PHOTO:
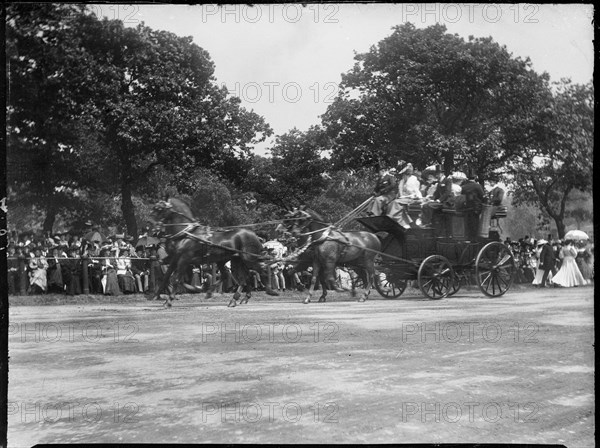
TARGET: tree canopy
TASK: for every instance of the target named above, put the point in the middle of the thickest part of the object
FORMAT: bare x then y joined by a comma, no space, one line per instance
547,173
427,96
94,104
103,117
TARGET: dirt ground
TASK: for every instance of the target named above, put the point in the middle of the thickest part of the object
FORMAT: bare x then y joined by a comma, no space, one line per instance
467,369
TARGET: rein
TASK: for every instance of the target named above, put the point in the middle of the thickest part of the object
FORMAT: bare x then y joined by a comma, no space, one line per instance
241,226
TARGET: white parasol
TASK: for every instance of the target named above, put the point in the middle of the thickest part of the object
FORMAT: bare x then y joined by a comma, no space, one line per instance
576,235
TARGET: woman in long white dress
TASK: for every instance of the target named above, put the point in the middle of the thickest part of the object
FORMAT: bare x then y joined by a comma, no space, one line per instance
569,274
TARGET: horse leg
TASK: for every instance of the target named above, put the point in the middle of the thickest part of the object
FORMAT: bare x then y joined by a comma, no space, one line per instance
242,276
248,294
313,282
165,281
181,261
370,277
330,275
261,268
323,297
212,288
236,296
358,274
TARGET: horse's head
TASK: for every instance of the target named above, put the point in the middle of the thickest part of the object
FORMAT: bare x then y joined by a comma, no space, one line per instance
301,220
170,212
160,211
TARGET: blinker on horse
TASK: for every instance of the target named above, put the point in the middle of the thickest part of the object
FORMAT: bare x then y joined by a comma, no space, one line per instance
189,242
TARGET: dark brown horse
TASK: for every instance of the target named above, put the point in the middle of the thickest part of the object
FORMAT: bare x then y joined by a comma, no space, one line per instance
328,247
189,242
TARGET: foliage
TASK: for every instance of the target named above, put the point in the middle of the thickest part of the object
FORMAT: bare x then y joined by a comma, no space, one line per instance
92,99
345,191
295,173
521,220
426,96
579,208
547,174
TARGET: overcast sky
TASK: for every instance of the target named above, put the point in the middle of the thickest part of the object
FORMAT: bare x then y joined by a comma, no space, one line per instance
285,61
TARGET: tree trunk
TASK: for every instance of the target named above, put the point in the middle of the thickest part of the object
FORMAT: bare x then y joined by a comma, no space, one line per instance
449,162
128,209
560,227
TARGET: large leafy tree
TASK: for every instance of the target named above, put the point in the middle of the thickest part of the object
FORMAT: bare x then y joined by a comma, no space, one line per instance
426,96
547,174
131,99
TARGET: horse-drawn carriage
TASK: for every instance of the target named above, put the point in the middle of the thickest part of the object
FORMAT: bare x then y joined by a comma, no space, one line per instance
388,254
441,258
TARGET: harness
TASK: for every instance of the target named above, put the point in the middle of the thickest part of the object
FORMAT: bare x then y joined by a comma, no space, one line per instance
186,233
326,235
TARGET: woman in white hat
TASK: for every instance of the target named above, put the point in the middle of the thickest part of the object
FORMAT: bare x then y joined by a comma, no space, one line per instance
409,186
409,190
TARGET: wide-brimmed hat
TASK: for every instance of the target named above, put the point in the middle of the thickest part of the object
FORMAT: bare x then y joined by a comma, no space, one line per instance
458,175
437,168
405,168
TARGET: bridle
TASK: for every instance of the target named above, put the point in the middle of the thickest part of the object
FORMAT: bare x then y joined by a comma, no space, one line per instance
167,208
308,220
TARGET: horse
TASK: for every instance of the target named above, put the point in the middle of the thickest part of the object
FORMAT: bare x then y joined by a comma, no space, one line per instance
188,241
327,247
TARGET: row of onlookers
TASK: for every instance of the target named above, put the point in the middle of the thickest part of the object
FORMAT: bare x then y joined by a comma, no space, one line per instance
115,267
533,257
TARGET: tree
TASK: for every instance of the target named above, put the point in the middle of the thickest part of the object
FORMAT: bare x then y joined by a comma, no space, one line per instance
133,99
42,117
294,174
426,96
547,174
580,208
344,191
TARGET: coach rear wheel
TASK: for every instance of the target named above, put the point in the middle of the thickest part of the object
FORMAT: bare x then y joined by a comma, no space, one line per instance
436,277
494,269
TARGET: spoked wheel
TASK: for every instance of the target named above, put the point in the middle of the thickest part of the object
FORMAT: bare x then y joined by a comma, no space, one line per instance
494,269
358,282
436,277
456,284
387,288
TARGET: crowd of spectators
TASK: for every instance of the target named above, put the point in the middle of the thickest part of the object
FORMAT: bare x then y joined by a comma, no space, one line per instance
527,252
119,265
54,263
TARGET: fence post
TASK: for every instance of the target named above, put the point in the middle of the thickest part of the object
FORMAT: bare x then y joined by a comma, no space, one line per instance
270,276
22,275
85,274
153,266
